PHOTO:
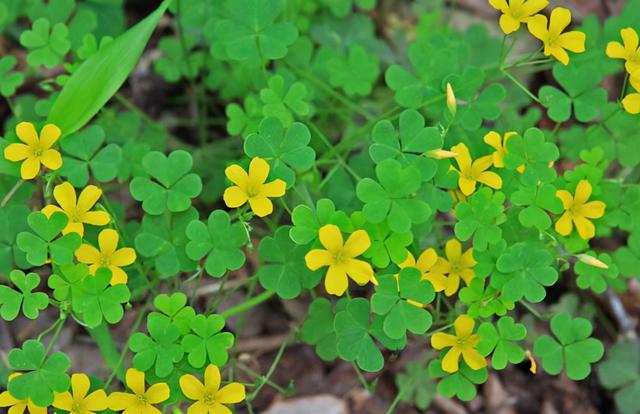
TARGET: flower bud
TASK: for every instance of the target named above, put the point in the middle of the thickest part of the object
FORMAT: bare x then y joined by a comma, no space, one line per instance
451,100
592,261
440,154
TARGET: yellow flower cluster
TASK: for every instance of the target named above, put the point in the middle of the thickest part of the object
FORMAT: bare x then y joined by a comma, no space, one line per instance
629,51
550,31
209,397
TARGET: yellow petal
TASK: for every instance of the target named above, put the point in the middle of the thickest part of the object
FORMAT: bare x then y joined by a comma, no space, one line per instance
6,399
63,400
359,270
17,152
118,276
108,241
237,175
123,257
119,401
191,387
500,5
331,237
357,243
630,39
573,41
51,159
96,401
218,408
258,171
234,197
463,158
30,168
537,26
508,24
410,261
49,135
96,218
531,7
65,195
467,259
88,198
583,192
586,229
463,326
275,188
27,133
473,358
593,209
427,259
490,179
74,228
50,209
261,206
566,198
453,250
212,377
158,393
34,409
199,407
317,258
450,360
135,380
438,280
631,103
467,186
231,393
557,52
441,340
336,281
560,19
80,385
453,284
615,50
564,225
493,139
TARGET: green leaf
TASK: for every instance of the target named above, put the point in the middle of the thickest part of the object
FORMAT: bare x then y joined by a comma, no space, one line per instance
318,328
288,152
479,217
484,302
219,241
99,77
174,307
574,349
502,341
355,73
9,82
621,372
537,198
42,375
44,244
47,45
67,280
535,154
160,348
354,342
461,384
284,269
399,299
206,343
172,187
284,104
594,278
416,385
31,302
307,222
96,301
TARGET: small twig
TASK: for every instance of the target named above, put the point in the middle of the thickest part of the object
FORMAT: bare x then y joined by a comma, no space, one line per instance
626,324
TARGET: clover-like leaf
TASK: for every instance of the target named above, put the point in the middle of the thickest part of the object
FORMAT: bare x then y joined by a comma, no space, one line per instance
480,217
9,82
67,280
12,300
501,341
95,300
484,301
45,244
386,246
355,73
461,384
402,299
175,307
307,222
392,197
207,343
289,151
416,385
572,348
172,187
284,102
47,45
535,154
219,241
318,328
538,199
621,372
524,270
595,278
41,376
160,348
354,342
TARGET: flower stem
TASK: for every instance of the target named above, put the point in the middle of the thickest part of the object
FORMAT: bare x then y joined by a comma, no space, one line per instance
253,302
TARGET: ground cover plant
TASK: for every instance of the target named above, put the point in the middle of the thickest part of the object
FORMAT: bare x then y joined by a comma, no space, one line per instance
426,204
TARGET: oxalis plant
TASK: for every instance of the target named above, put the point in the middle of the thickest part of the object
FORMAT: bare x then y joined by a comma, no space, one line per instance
395,176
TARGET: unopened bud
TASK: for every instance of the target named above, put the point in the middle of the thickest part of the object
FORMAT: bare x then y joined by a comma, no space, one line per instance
534,365
440,154
451,100
592,261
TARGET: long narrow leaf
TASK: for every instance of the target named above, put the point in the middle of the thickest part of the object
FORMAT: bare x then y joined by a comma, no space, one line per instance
100,76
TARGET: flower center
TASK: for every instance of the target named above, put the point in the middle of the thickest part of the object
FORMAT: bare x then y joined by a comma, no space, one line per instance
76,407
339,257
105,261
38,152
456,267
142,399
75,217
253,190
461,341
209,398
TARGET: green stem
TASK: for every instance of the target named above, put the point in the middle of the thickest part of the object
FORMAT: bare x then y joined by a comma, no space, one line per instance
521,86
253,302
332,150
361,377
624,85
11,193
272,369
534,311
262,378
398,398
102,337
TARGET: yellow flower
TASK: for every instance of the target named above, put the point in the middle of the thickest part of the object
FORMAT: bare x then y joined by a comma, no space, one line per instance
473,172
494,140
555,42
430,266
578,210
34,150
209,397
458,266
463,343
631,102
79,401
140,401
252,187
77,210
630,51
341,258
451,100
109,256
516,12
18,406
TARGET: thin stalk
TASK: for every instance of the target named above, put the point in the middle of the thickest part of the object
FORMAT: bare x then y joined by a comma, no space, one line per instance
272,369
11,193
245,306
521,86
534,311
